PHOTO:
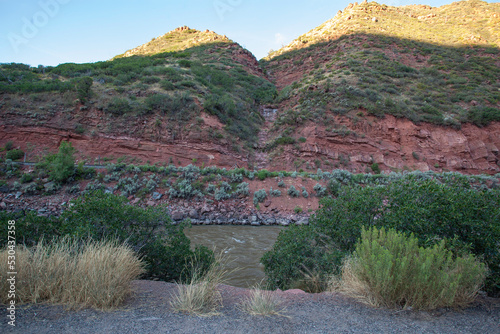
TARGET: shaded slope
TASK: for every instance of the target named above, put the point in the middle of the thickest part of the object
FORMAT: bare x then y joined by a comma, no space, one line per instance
337,83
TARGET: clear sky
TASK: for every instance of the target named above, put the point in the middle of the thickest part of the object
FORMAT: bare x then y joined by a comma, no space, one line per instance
50,32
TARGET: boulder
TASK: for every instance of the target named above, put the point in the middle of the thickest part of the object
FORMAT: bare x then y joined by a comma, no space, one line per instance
156,196
193,213
177,215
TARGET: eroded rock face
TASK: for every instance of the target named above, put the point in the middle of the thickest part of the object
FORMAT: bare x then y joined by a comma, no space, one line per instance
396,143
393,143
94,147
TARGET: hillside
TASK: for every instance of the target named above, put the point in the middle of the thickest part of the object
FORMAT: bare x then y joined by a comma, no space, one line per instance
196,100
374,88
391,86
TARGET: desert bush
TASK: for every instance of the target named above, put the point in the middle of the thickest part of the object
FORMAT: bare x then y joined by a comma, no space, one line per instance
274,192
67,271
391,269
211,188
259,196
242,189
236,177
221,194
320,190
119,106
94,186
293,192
305,194
281,184
84,89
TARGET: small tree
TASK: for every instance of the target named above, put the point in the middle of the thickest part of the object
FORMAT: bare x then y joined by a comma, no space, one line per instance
60,166
84,88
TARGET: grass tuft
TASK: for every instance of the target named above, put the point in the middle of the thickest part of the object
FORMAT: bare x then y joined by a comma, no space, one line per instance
262,302
200,296
78,275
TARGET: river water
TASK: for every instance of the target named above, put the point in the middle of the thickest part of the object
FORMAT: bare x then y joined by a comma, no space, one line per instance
244,246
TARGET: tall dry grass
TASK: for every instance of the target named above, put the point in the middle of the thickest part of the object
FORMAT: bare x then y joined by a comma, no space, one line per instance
95,274
200,295
262,302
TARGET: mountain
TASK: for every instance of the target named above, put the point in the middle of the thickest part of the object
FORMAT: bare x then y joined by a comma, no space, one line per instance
396,88
374,88
185,96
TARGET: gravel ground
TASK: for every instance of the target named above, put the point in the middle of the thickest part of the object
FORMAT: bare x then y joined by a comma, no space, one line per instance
148,311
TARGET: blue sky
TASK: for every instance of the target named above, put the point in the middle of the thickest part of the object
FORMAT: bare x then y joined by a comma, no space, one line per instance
50,32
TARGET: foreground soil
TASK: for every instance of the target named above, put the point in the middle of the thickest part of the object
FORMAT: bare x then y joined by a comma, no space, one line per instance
148,311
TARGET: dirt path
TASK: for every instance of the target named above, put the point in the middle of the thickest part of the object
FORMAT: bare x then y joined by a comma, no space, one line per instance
148,311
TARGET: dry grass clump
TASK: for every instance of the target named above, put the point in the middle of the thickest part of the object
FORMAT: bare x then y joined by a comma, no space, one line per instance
262,302
200,296
389,269
96,274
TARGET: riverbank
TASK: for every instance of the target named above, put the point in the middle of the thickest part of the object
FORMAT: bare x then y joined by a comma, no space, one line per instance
148,311
228,212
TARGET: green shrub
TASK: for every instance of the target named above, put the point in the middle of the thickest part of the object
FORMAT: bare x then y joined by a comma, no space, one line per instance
84,89
9,145
119,106
467,219
167,85
30,228
26,178
390,269
14,154
376,168
163,246
296,253
60,166
263,174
